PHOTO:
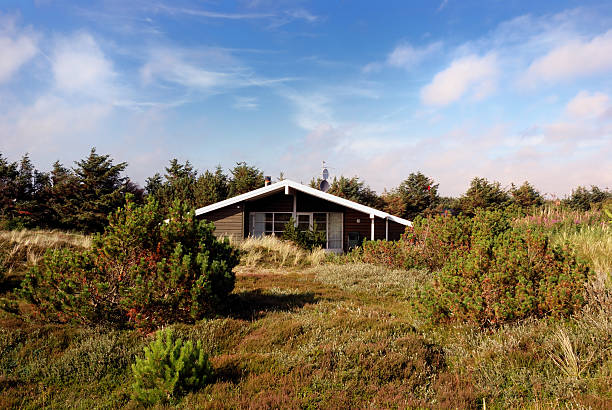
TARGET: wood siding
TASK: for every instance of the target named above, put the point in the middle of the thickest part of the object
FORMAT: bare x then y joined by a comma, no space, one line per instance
278,202
309,203
351,225
229,221
395,230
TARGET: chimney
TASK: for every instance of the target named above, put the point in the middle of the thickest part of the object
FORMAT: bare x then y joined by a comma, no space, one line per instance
268,180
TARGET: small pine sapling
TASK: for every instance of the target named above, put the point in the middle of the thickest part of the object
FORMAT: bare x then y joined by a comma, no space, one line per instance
170,369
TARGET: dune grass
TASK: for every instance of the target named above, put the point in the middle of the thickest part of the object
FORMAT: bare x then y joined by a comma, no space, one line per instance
271,251
23,249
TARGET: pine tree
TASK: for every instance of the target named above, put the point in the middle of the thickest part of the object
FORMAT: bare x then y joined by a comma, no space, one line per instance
419,193
355,190
178,183
8,192
483,194
169,369
211,187
100,191
526,196
245,178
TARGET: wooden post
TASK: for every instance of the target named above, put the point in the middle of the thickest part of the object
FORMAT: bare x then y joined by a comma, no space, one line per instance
372,227
386,229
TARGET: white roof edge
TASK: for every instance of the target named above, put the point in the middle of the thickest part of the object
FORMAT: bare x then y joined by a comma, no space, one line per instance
306,189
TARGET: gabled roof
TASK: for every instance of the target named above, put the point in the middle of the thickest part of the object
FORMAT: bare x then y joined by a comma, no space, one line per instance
286,184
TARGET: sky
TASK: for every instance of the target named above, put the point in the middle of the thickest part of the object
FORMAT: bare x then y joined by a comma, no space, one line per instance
508,90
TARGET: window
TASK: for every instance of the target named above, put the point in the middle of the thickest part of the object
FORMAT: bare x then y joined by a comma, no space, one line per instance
268,223
319,221
303,222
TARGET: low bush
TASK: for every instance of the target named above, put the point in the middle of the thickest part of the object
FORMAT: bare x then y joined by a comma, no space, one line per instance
306,239
487,269
506,273
143,272
426,244
169,369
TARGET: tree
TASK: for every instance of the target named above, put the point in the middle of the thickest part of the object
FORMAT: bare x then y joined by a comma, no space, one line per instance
8,194
100,191
211,187
178,183
419,193
583,199
354,190
245,178
153,184
483,194
393,203
148,269
526,196
63,194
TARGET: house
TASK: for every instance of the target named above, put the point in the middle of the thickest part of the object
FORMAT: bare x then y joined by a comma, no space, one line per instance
265,211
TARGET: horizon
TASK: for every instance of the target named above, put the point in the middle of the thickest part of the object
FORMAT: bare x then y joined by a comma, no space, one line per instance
511,92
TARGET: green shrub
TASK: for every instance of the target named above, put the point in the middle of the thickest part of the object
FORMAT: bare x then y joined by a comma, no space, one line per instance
307,239
169,369
426,244
143,272
504,274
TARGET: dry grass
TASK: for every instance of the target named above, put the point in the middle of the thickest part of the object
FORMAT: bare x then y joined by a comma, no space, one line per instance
23,249
593,243
371,279
566,358
271,251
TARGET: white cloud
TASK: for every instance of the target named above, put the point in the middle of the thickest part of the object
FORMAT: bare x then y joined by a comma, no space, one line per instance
472,74
246,103
575,58
586,105
170,66
208,13
49,124
16,49
209,70
407,56
80,66
303,15
404,56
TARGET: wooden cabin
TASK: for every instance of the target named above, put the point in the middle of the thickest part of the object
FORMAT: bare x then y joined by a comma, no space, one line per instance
265,211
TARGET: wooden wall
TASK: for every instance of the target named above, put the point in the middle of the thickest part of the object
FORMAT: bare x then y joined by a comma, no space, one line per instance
396,230
278,202
229,221
309,203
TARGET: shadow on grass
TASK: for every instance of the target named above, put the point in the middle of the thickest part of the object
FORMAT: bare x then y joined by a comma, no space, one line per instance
10,284
254,304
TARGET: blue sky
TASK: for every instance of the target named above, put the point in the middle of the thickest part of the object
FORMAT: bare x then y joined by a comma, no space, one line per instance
507,90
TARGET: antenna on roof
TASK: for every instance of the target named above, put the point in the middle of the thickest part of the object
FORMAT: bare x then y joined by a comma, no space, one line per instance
324,185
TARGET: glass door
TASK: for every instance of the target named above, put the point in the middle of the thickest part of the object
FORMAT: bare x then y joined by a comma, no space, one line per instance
334,231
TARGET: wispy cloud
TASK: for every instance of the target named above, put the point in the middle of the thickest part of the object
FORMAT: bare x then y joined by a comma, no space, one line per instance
246,103
81,67
405,56
208,14
473,75
16,47
202,70
575,58
589,105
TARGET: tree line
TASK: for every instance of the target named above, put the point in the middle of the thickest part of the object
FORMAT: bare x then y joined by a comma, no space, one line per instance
80,197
